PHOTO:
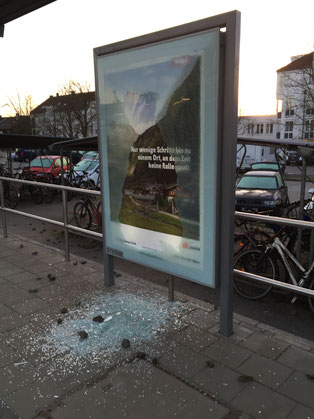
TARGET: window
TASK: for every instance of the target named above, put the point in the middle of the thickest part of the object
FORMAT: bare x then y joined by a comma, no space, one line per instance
269,128
257,129
278,135
289,129
250,129
279,180
289,112
262,128
309,130
41,162
257,182
309,110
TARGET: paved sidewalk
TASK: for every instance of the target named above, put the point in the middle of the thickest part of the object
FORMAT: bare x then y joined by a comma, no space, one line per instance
69,348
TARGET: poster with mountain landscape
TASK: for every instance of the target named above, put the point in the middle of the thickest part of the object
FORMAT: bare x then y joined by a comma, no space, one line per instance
151,107
158,131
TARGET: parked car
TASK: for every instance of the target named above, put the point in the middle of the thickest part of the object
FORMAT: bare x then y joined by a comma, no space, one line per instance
22,154
89,169
91,155
48,166
261,190
268,165
293,157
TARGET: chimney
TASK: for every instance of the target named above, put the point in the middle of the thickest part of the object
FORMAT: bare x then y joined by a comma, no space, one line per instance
296,57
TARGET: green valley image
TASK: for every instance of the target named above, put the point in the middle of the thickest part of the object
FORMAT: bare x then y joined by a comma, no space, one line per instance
153,145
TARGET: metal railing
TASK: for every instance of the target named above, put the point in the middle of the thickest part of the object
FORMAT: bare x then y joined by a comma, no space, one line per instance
281,221
78,230
65,223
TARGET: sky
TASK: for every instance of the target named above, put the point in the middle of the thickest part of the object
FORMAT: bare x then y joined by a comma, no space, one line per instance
43,50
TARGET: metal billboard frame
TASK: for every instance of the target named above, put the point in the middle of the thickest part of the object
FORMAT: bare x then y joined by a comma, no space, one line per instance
229,25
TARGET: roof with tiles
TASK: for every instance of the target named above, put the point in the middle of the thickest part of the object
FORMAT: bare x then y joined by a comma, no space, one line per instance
305,61
56,102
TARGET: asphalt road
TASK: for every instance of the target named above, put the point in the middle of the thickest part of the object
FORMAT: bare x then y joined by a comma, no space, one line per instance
274,309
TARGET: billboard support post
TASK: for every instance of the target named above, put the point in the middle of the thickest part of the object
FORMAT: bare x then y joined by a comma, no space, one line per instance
228,170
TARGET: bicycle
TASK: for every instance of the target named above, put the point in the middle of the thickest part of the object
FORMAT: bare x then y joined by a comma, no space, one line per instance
85,210
261,262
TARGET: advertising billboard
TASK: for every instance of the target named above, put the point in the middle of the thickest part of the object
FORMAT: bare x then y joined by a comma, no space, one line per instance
158,129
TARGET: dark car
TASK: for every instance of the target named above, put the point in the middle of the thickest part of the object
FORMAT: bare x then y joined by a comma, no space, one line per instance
260,191
269,165
22,154
293,157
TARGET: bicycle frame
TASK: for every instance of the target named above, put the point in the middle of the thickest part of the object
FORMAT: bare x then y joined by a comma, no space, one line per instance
282,250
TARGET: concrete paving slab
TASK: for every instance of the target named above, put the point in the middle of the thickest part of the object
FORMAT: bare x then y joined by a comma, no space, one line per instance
140,390
50,292
265,371
265,345
301,412
15,376
20,277
29,306
4,252
227,353
222,383
38,268
202,318
261,402
34,283
9,269
31,399
7,355
183,362
6,412
300,388
194,338
11,321
15,296
4,309
77,270
298,359
53,259
21,260
6,286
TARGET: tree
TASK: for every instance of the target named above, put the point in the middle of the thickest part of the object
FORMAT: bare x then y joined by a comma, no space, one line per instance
296,91
71,113
21,106
77,111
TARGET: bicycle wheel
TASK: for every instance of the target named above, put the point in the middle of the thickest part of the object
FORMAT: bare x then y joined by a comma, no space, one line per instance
48,195
250,240
37,194
11,196
256,262
310,300
82,215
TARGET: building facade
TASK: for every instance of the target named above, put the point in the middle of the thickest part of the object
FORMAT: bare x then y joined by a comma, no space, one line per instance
295,99
72,115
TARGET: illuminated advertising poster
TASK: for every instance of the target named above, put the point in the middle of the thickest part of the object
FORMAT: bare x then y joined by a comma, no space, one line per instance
157,108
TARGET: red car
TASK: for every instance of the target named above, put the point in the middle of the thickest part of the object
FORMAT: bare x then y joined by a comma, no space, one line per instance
48,166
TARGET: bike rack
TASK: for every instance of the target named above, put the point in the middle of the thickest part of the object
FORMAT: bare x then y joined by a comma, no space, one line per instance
65,224
275,220
68,227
